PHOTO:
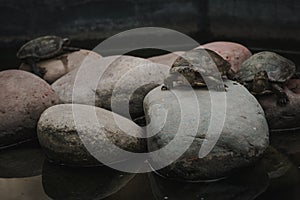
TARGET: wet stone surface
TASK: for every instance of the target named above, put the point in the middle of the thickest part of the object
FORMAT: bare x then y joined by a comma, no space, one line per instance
83,131
23,97
112,83
239,145
55,68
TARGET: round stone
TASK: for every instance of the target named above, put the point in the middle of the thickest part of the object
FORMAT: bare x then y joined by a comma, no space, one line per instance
57,67
117,83
72,134
23,98
204,134
233,52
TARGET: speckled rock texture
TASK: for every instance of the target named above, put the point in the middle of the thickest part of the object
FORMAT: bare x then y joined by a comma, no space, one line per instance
244,134
117,83
233,52
57,67
69,132
23,98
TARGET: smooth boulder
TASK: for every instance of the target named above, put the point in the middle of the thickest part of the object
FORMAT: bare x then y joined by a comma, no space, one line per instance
73,134
57,67
174,122
23,98
233,52
117,83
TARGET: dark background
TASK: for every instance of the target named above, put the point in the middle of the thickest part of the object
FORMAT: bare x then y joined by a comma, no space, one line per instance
260,25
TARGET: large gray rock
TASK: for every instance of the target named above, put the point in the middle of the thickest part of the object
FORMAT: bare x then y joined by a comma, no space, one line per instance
23,98
72,134
117,83
243,138
57,67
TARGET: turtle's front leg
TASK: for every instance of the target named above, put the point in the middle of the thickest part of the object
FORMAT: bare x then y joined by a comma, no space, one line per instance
168,82
281,95
216,84
36,70
70,49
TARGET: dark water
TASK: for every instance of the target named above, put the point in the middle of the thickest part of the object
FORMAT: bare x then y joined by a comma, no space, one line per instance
26,174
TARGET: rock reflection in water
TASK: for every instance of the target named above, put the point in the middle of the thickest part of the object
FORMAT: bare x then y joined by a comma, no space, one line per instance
20,173
61,182
283,174
244,185
25,160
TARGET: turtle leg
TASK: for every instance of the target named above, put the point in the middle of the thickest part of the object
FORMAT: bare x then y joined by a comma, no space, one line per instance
296,75
281,95
216,84
168,82
230,74
70,49
36,70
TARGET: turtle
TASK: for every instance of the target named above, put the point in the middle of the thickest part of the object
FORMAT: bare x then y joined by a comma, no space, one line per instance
43,48
198,67
266,72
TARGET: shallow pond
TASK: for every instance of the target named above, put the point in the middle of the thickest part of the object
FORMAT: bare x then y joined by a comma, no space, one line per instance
25,174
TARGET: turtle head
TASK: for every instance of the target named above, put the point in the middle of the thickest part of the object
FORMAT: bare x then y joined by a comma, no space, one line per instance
261,75
66,41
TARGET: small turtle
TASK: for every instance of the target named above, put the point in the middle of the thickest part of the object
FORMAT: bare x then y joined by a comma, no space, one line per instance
198,68
43,48
266,72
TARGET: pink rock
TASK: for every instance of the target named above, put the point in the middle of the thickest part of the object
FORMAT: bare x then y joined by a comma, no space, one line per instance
61,65
283,117
23,98
234,53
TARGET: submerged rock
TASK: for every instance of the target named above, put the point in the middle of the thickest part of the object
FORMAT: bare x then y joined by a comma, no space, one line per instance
61,182
233,52
239,138
24,161
283,117
247,184
23,98
117,83
72,134
57,67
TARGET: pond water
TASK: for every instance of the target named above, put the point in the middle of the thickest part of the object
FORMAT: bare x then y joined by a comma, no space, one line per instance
26,174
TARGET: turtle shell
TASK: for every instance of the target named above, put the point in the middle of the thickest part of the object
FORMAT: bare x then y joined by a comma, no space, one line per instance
41,48
203,61
279,69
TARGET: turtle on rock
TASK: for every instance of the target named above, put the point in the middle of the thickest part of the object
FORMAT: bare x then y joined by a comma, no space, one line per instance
266,72
198,68
43,48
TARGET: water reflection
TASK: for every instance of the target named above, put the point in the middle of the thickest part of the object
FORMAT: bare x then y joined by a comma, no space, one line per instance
20,173
25,160
284,176
244,185
61,182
